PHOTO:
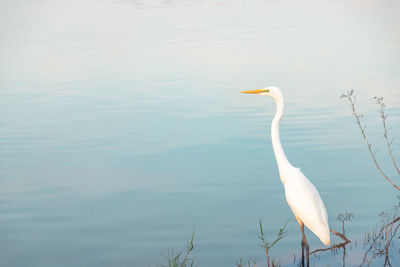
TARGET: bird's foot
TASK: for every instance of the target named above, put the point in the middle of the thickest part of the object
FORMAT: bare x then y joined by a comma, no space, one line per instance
307,254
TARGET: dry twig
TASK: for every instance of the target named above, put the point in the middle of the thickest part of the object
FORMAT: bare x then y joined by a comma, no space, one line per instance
379,101
385,235
352,100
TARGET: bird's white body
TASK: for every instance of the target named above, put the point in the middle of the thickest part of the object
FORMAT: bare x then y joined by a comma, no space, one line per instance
301,195
306,204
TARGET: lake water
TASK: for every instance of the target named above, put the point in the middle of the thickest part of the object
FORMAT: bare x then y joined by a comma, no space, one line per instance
122,128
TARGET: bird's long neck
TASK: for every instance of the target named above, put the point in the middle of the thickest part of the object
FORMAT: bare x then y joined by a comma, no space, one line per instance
280,156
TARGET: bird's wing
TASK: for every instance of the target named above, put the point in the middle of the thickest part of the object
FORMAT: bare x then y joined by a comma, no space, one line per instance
306,203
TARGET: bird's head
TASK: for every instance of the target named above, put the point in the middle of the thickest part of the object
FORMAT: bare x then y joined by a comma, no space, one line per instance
270,91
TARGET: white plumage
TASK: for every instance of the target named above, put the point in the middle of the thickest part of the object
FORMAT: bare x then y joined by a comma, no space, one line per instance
306,204
301,195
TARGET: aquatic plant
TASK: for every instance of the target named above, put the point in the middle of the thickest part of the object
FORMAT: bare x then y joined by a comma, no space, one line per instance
379,243
268,245
180,259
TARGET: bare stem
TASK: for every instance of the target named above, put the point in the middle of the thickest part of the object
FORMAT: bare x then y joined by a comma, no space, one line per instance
386,234
340,245
392,222
379,101
357,117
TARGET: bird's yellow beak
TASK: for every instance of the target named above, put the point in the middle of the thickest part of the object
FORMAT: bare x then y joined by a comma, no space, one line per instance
255,91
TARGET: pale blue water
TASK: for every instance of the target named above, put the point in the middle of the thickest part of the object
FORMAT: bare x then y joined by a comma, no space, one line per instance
122,128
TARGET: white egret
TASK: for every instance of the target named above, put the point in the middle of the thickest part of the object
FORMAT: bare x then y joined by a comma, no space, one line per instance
301,195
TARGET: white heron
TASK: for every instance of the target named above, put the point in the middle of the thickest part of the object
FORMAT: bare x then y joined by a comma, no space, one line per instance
301,195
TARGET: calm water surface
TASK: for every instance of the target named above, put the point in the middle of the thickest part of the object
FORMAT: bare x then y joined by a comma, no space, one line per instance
122,129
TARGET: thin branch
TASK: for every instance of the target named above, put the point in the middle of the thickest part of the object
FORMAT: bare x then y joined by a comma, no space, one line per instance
357,117
389,224
340,245
388,235
379,101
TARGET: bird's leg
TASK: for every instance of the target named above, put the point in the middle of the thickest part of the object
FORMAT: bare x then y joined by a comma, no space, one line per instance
304,243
